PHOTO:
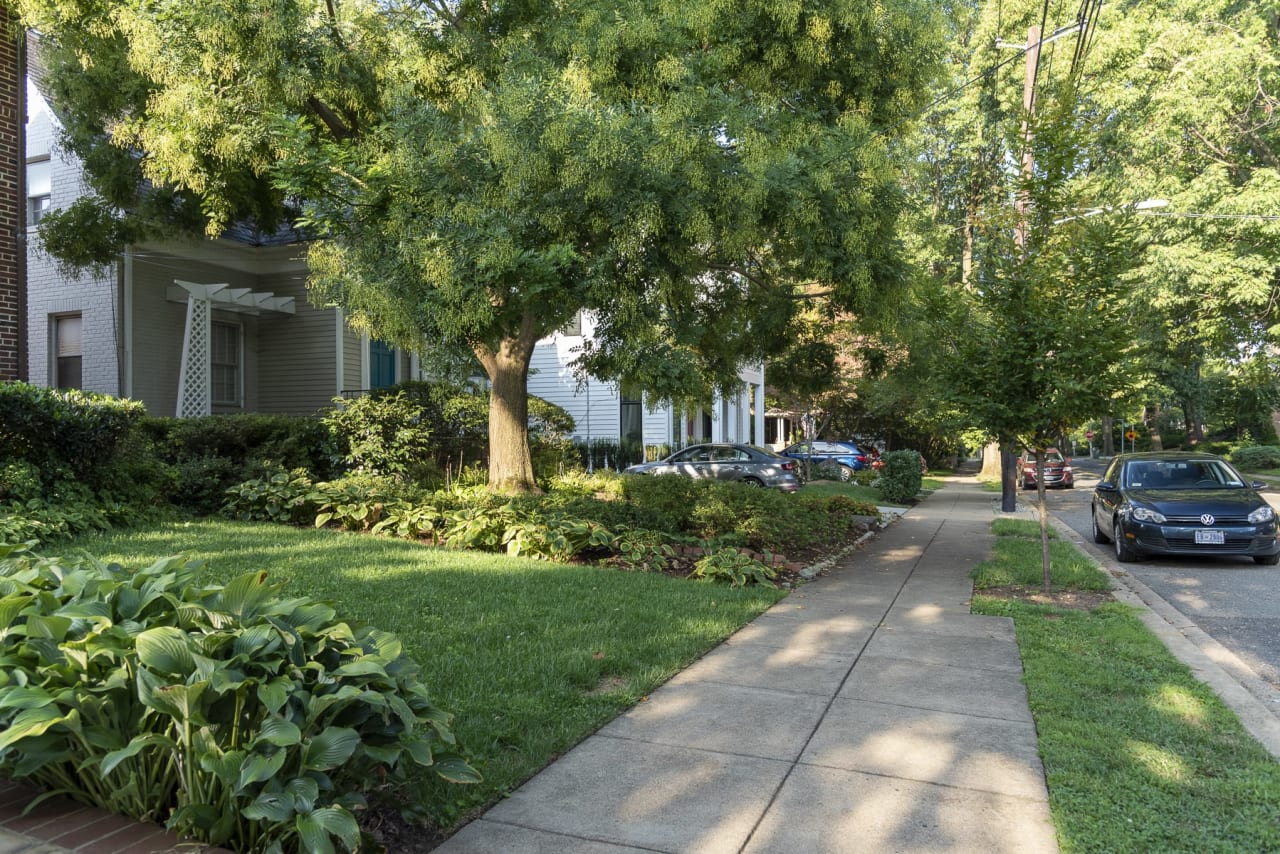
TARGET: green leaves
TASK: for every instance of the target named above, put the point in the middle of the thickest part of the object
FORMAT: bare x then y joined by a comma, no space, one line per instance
243,719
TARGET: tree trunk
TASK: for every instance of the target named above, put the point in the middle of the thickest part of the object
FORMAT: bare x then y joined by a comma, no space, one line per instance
1046,563
990,462
510,460
1108,441
1008,481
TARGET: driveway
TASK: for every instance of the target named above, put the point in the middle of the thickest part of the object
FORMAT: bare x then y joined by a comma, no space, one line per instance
1233,600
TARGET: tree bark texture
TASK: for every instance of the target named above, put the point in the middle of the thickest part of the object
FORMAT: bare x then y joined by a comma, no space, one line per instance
510,460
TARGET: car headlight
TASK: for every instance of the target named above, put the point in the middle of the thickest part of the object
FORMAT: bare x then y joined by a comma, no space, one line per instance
1262,514
1144,514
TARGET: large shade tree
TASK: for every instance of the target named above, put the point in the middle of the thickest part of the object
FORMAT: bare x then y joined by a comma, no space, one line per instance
475,173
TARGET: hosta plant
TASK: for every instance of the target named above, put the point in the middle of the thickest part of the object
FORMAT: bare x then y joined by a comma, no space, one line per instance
237,717
733,567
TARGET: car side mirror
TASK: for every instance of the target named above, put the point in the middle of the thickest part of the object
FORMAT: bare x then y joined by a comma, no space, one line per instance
1106,484
1260,484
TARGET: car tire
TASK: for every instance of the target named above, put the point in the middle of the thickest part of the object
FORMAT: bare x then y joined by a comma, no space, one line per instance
1124,553
846,474
1098,535
1266,560
752,482
1026,485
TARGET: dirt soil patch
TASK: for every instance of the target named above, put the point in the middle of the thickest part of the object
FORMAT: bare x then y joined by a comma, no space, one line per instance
1076,600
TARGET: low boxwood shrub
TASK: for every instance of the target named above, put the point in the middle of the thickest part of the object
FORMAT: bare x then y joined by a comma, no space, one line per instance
900,479
235,716
1257,457
63,433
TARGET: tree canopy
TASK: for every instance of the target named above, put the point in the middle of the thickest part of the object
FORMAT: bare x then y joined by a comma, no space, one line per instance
476,173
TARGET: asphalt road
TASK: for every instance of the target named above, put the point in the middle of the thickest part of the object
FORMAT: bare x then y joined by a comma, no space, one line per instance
1233,600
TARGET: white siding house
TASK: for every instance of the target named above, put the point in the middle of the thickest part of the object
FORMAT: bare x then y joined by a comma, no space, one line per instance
601,411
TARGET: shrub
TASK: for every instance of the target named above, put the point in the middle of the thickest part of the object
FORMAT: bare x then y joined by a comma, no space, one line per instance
239,718
384,434
207,456
63,432
1257,457
900,479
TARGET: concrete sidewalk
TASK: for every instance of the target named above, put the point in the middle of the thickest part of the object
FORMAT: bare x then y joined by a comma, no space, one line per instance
868,711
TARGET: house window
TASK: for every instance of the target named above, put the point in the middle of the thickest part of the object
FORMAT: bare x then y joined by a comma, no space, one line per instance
224,364
630,418
574,326
67,350
39,188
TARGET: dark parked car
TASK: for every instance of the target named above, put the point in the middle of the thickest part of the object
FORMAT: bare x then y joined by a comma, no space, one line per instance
1182,504
1057,470
745,463
847,455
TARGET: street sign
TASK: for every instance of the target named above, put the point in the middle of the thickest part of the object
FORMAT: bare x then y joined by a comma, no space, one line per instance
1089,434
1130,435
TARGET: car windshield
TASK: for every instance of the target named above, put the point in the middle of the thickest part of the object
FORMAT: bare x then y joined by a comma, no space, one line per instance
1181,474
1049,457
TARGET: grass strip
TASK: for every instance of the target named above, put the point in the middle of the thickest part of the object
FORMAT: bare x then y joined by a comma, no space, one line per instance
1017,560
530,656
1139,755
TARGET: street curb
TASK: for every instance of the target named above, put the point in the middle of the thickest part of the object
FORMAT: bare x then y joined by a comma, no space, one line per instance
1211,662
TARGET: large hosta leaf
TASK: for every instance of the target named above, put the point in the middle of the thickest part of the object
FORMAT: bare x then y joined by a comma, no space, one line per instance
330,748
33,722
258,768
317,828
167,650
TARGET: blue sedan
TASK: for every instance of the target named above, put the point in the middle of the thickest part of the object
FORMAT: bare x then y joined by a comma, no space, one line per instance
1178,503
848,456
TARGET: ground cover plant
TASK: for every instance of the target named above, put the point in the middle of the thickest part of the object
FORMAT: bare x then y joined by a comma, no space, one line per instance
585,518
530,656
1139,755
234,715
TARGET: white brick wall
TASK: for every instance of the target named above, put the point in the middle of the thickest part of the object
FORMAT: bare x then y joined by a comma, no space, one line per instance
50,293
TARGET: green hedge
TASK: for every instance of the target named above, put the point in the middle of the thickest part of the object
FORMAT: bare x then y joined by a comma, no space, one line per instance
233,715
63,434
901,477
1257,457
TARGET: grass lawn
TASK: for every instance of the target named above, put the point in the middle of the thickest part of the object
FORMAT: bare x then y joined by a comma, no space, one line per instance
531,657
860,493
1139,755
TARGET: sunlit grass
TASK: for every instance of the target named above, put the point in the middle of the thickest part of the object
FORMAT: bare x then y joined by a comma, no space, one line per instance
530,656
1139,755
1018,560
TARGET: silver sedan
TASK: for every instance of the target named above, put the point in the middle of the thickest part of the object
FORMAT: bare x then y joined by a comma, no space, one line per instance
747,464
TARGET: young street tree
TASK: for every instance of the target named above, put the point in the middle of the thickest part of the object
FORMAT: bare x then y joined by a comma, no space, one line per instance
476,173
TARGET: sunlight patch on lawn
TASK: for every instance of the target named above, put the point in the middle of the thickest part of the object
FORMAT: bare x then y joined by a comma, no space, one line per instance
1161,763
1178,701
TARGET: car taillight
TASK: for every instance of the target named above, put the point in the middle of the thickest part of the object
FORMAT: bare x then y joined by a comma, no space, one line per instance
788,466
862,458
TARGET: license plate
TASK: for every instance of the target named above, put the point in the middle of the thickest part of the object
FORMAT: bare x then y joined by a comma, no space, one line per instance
1210,538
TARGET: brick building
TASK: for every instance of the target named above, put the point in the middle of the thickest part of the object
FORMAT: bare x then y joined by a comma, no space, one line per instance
12,201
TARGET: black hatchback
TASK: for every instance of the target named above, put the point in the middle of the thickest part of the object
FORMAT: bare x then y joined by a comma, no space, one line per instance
1180,503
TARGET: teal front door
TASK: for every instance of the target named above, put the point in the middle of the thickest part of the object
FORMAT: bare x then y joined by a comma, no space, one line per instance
382,365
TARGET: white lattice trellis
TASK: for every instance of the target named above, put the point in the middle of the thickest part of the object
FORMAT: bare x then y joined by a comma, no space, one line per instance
195,397
195,392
